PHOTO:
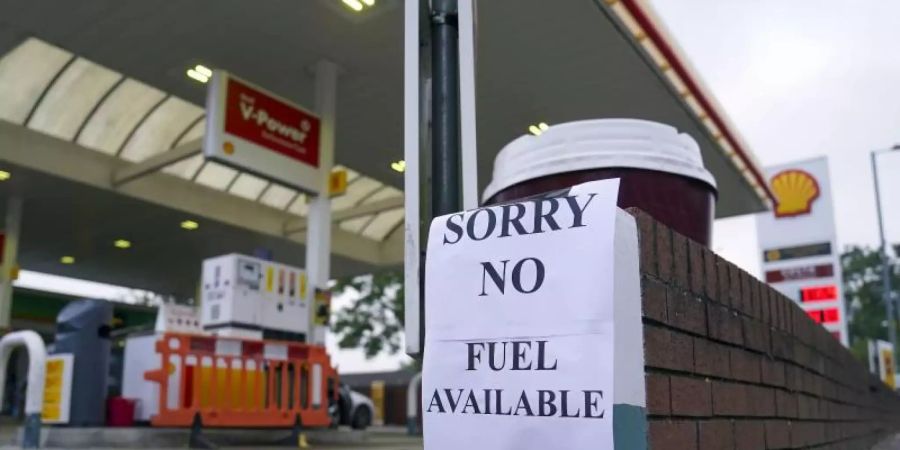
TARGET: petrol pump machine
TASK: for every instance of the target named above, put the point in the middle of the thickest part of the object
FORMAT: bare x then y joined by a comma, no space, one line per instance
244,360
252,298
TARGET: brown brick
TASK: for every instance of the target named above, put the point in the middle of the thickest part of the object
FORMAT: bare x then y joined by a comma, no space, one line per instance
789,312
749,435
762,400
730,399
776,310
745,366
724,281
658,394
647,238
815,384
793,377
665,349
696,267
782,345
710,275
807,433
656,347
734,288
686,311
802,354
807,406
654,299
765,301
690,396
755,287
834,432
778,433
673,435
784,317
680,260
773,372
747,293
756,336
785,404
716,435
724,325
682,347
664,253
711,358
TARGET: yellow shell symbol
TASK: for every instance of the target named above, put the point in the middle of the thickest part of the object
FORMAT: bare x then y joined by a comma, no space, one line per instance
795,191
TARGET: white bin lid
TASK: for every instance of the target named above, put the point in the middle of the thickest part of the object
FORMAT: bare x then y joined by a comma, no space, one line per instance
598,144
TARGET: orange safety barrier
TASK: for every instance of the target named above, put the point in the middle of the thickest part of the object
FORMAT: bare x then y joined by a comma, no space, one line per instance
231,382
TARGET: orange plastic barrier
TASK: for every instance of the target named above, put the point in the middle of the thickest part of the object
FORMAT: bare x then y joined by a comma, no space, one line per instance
232,382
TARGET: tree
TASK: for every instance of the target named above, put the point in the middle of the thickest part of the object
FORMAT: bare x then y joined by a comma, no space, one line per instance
374,322
863,288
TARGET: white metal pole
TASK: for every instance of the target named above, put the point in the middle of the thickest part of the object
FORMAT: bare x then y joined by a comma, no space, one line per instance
34,392
318,234
467,105
12,231
411,139
885,264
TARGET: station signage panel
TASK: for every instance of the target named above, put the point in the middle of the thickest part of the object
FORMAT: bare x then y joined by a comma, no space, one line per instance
797,242
519,320
797,252
881,361
800,273
824,316
818,293
57,388
251,129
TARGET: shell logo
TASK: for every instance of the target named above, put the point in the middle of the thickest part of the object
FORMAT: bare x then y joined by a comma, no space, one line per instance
795,191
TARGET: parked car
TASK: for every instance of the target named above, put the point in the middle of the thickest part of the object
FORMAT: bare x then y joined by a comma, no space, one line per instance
352,408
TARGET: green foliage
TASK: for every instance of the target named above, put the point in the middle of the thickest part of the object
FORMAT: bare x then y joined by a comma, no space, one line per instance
863,294
374,321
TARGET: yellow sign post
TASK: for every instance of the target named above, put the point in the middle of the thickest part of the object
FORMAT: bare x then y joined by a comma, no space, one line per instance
322,307
337,183
377,391
57,389
887,361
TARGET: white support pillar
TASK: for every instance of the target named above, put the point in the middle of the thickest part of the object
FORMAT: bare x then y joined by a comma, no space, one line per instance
467,129
11,230
318,242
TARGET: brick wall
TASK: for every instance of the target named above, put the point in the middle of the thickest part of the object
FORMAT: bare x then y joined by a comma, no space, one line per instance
732,363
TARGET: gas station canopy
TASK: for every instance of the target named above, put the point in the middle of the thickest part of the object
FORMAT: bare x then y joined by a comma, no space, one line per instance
94,101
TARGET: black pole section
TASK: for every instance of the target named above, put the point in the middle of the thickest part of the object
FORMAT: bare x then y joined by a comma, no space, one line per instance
445,151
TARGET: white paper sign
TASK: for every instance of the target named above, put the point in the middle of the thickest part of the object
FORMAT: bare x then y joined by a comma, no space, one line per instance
519,330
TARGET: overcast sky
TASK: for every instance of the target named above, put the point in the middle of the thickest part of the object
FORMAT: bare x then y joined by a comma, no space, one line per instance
800,79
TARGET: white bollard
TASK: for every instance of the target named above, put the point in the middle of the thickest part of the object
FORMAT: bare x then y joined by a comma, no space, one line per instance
34,393
412,404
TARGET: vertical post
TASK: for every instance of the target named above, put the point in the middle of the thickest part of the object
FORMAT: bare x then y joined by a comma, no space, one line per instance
445,108
12,230
412,404
34,391
318,234
413,131
467,106
885,265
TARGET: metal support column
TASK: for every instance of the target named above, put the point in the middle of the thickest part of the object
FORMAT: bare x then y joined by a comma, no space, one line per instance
318,242
886,294
12,230
445,148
